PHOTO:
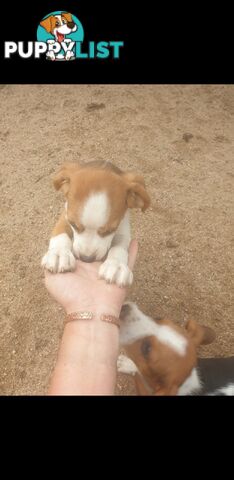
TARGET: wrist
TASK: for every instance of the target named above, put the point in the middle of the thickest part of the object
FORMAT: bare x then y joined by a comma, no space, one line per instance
98,338
97,310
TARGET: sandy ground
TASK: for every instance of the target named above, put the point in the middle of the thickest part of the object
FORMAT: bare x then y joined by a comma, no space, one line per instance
182,139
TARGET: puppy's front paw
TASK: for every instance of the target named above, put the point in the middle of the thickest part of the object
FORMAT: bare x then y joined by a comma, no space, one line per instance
69,55
51,55
126,365
114,272
59,261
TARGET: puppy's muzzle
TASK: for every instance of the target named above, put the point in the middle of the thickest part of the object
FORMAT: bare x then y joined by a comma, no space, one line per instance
125,311
70,24
87,259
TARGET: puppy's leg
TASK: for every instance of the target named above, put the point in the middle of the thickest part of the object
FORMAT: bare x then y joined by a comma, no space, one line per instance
59,257
68,52
126,365
69,55
115,268
50,54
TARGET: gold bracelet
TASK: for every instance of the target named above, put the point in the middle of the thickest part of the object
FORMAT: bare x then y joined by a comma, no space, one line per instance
78,316
111,319
89,315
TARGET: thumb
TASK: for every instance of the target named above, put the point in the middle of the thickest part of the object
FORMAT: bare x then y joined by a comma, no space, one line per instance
132,251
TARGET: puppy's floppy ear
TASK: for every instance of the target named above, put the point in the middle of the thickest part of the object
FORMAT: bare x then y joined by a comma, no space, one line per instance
63,178
200,335
67,16
47,24
137,197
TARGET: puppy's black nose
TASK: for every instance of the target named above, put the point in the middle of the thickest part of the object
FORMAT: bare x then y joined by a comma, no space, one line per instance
70,24
125,310
87,259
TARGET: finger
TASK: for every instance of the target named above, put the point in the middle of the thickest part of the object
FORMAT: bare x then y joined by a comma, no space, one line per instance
133,249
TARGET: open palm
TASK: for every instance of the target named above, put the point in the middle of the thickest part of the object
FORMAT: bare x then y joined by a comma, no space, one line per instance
83,290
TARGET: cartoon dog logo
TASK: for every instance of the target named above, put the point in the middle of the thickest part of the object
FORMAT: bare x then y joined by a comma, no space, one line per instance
59,26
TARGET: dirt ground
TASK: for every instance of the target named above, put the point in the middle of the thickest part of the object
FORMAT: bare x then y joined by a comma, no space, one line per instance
181,137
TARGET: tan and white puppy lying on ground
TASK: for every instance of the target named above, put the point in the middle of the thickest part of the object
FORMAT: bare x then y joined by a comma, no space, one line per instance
95,223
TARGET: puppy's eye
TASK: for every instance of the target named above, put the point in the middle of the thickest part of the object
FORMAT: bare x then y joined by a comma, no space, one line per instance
73,225
145,347
77,228
64,22
104,232
57,24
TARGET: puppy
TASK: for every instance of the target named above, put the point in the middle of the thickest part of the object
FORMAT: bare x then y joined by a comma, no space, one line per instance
59,26
95,223
163,359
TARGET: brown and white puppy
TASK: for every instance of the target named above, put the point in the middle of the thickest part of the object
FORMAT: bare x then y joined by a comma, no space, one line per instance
161,355
95,223
59,26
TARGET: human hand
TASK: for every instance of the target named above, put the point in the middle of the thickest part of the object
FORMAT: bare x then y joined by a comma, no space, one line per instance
82,290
